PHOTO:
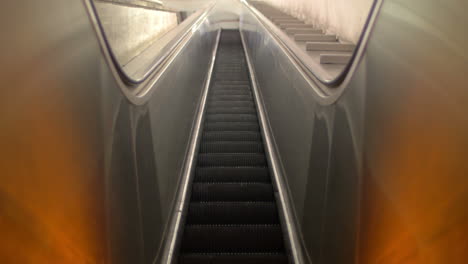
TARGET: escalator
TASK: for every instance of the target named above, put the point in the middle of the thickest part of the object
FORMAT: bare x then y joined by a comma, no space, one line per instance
232,214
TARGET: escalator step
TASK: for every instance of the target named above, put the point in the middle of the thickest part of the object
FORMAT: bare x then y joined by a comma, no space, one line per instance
232,216
223,101
231,136
231,110
231,92
232,68
231,147
231,160
231,98
233,258
231,118
231,104
231,126
232,238
231,86
230,174
247,192
227,213
231,82
230,77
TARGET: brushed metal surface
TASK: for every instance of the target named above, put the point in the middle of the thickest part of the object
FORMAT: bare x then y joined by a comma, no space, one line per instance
292,241
175,228
132,29
377,175
415,185
87,176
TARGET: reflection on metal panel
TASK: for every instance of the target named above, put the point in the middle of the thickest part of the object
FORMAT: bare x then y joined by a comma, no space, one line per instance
416,189
379,176
393,189
77,174
313,219
130,29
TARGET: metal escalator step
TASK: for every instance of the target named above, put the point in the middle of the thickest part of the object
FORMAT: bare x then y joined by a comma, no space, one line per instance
232,68
231,136
230,63
230,90
231,110
231,104
232,191
234,56
231,147
232,174
230,74
231,160
231,126
231,82
231,118
232,216
230,97
227,213
232,85
231,78
233,258
232,238
225,92
228,101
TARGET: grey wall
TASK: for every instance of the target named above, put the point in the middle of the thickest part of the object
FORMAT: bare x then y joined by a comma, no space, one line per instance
345,18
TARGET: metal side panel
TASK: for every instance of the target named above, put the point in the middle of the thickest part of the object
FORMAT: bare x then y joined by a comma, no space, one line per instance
319,148
87,177
177,220
377,176
415,185
286,212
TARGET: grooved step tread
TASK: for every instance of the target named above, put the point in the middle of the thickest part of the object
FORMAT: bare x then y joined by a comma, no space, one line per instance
231,147
231,104
232,215
231,126
233,258
231,136
231,92
231,97
216,213
231,84
234,83
231,159
232,174
231,117
232,238
231,110
232,192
